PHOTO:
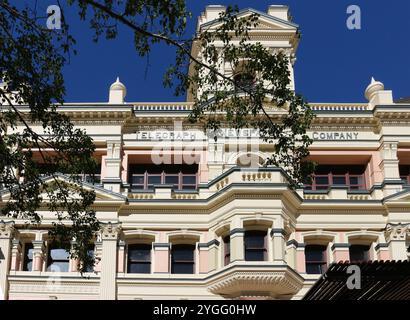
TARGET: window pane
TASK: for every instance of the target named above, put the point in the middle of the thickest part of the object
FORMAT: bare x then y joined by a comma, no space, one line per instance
182,260
28,257
58,266
312,268
139,268
188,179
255,245
137,179
182,268
154,179
171,179
321,180
59,254
183,254
359,253
339,180
255,255
227,250
315,253
255,239
139,252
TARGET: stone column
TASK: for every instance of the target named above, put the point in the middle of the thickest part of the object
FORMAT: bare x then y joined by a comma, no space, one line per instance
396,239
237,244
291,250
109,237
6,234
15,255
112,179
389,166
278,244
38,255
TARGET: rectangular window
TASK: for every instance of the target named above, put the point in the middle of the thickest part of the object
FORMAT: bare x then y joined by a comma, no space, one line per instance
146,176
227,250
91,253
28,257
315,257
255,245
326,176
58,260
139,258
182,259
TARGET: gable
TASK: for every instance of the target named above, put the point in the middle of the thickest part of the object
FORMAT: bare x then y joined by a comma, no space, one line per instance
265,21
101,194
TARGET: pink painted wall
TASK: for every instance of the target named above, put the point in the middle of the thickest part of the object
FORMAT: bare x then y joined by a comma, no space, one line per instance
161,261
384,255
300,261
341,255
121,261
203,261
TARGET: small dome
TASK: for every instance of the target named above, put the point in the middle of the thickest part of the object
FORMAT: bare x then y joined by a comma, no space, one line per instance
117,85
372,88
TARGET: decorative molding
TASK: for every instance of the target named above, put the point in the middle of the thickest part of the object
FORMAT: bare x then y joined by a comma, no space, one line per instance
397,232
110,231
6,229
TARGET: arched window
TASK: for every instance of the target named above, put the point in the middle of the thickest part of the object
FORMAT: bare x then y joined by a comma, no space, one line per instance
359,253
255,245
227,249
139,258
182,258
315,257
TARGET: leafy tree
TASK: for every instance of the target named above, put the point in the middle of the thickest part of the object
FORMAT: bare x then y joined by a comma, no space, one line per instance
31,59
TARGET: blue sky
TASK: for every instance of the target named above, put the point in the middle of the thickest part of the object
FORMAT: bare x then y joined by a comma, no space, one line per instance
334,64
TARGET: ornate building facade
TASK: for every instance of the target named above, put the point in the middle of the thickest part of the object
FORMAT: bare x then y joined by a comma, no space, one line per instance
187,217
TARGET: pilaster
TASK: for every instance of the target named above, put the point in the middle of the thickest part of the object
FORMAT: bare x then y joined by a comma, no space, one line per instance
109,237
395,235
6,234
112,179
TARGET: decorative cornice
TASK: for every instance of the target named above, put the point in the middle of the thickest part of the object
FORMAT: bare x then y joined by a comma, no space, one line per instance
381,245
293,242
340,245
237,230
209,244
277,231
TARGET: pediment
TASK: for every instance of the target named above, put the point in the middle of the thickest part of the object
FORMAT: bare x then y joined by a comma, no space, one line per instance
403,196
101,194
265,22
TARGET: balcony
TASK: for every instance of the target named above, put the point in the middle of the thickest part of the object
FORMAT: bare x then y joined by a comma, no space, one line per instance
325,181
179,181
242,279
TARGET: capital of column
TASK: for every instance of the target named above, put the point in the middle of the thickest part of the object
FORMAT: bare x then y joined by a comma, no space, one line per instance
110,231
6,229
396,232
389,150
